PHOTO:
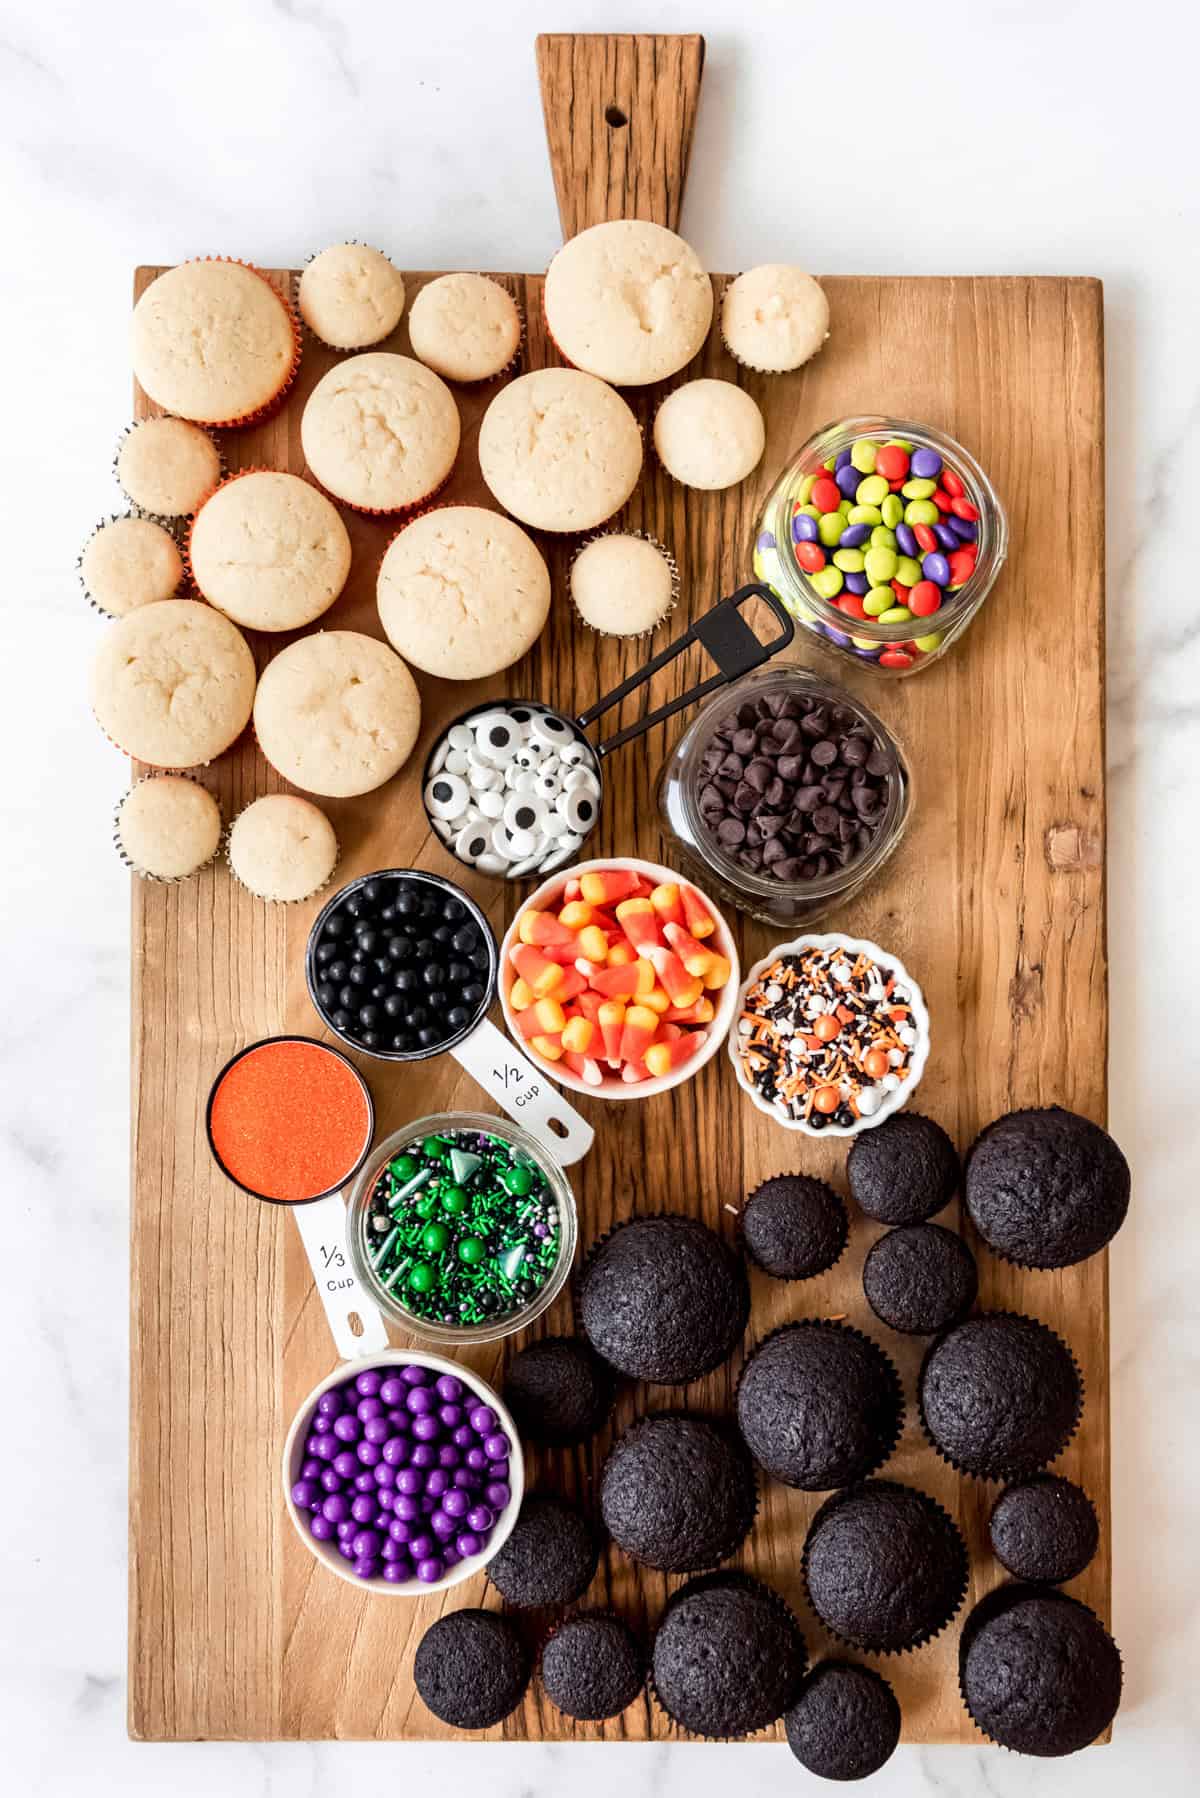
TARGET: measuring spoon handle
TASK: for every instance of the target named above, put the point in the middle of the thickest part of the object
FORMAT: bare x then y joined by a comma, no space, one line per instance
524,1092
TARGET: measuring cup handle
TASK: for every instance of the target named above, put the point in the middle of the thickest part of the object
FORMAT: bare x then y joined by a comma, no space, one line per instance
322,1228
524,1092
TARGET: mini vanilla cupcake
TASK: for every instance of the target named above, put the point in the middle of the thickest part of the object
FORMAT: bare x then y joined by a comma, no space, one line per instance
337,713
167,466
709,434
282,848
560,450
380,432
628,301
269,550
214,343
130,562
173,684
351,297
623,584
465,327
774,318
463,592
167,827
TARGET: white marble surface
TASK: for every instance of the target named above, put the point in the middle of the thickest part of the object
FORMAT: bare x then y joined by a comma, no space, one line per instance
1033,136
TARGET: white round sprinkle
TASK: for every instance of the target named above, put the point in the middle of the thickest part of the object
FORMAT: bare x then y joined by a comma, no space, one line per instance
889,1083
500,841
554,824
460,736
491,863
491,805
446,796
438,760
458,761
546,787
485,780
523,843
573,755
581,779
525,782
444,829
550,730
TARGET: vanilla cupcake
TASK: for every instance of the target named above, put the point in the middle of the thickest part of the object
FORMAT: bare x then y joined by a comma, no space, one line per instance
130,562
337,713
167,827
173,684
269,551
167,466
709,434
465,327
623,584
628,301
463,592
282,848
380,432
350,296
213,342
774,317
560,450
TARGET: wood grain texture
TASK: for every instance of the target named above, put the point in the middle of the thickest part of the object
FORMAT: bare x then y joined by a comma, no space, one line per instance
995,901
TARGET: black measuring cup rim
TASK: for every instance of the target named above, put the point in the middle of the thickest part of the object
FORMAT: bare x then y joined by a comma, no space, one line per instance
452,888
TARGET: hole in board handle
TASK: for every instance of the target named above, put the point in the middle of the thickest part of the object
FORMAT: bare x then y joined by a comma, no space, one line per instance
558,1127
614,117
356,1324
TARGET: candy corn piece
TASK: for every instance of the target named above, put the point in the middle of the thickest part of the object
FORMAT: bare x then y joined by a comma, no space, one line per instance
662,1057
634,1071
527,1022
717,972
621,952
683,988
693,955
605,886
542,927
589,1004
550,1017
702,1012
577,1034
589,1071
542,975
640,1026
667,903
563,953
639,920
657,999
612,1027
571,890
578,913
699,919
521,995
570,986
548,1047
616,983
593,943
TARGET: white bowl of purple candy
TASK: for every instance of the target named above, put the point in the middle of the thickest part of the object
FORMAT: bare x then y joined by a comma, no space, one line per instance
403,1473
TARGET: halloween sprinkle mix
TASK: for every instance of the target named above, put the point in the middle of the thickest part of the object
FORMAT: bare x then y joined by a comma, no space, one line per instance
463,1228
824,1036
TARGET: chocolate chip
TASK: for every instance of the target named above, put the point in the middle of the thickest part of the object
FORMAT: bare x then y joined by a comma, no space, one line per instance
789,767
825,753
743,741
805,799
745,798
759,775
826,820
732,766
878,762
731,832
854,751
776,793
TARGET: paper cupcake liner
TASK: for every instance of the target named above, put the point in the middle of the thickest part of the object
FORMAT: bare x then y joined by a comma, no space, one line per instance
166,880
262,897
744,361
341,349
1001,1469
404,514
994,1605
269,407
645,537
579,1278
510,367
172,521
897,1385
182,591
748,1582
731,1435
926,1636
795,1279
1041,1585
585,1612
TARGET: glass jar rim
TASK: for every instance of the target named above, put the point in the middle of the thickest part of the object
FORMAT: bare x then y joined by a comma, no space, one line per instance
993,526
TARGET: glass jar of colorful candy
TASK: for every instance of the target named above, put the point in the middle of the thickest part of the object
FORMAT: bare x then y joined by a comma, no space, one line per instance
884,538
462,1228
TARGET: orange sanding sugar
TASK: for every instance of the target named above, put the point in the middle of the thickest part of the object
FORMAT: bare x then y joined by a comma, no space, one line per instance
289,1120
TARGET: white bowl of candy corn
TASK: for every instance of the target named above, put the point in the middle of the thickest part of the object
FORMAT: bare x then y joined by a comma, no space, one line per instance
619,978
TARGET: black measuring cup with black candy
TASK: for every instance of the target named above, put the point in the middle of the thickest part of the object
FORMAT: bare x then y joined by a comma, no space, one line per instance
514,788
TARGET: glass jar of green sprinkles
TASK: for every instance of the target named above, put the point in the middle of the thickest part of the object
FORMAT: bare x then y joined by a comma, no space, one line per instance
462,1228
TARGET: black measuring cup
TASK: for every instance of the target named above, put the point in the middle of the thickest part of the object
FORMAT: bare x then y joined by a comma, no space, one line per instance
481,752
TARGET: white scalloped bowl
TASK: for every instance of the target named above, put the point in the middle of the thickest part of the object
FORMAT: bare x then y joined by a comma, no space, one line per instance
851,945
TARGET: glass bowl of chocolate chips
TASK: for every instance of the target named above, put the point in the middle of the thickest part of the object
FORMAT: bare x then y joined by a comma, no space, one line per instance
787,792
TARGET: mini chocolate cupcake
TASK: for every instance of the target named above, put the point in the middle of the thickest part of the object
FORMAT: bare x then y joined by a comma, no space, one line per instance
1046,1188
819,1405
728,1658
678,1493
920,1279
471,1668
558,1391
593,1666
999,1395
794,1227
1044,1529
662,1299
903,1171
884,1566
846,1722
550,1556
1038,1671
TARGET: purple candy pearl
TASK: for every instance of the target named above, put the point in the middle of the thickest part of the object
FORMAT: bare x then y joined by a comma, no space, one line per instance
386,1499
311,1468
497,1447
396,1451
448,1455
497,1494
410,1481
464,1436
456,1503
430,1570
450,1416
450,1555
468,1545
442,1525
466,1480
331,1480
368,1382
330,1404
392,1390
305,1493
384,1475
426,1429
399,1421
420,1401
449,1387
497,1470
336,1507
320,1527
483,1420
325,1447
477,1460
392,1551
378,1430
406,1506
367,1567
415,1375
424,1455
346,1465
480,1519
364,1481
368,1453
347,1427
437,1481
364,1509
399,1529
345,1549
397,1572
367,1542
422,1545
346,1529
368,1408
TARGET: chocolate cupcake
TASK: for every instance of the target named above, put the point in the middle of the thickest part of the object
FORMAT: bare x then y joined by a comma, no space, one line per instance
593,1666
884,1566
1046,1188
728,1657
904,1170
558,1391
845,1723
1038,1671
819,1405
678,1493
550,1556
920,1278
1044,1529
662,1299
471,1668
794,1227
1000,1395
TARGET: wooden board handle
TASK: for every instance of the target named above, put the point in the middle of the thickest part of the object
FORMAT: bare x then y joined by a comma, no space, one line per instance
619,115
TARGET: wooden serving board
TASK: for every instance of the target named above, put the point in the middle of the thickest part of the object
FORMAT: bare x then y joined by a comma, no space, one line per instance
995,901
